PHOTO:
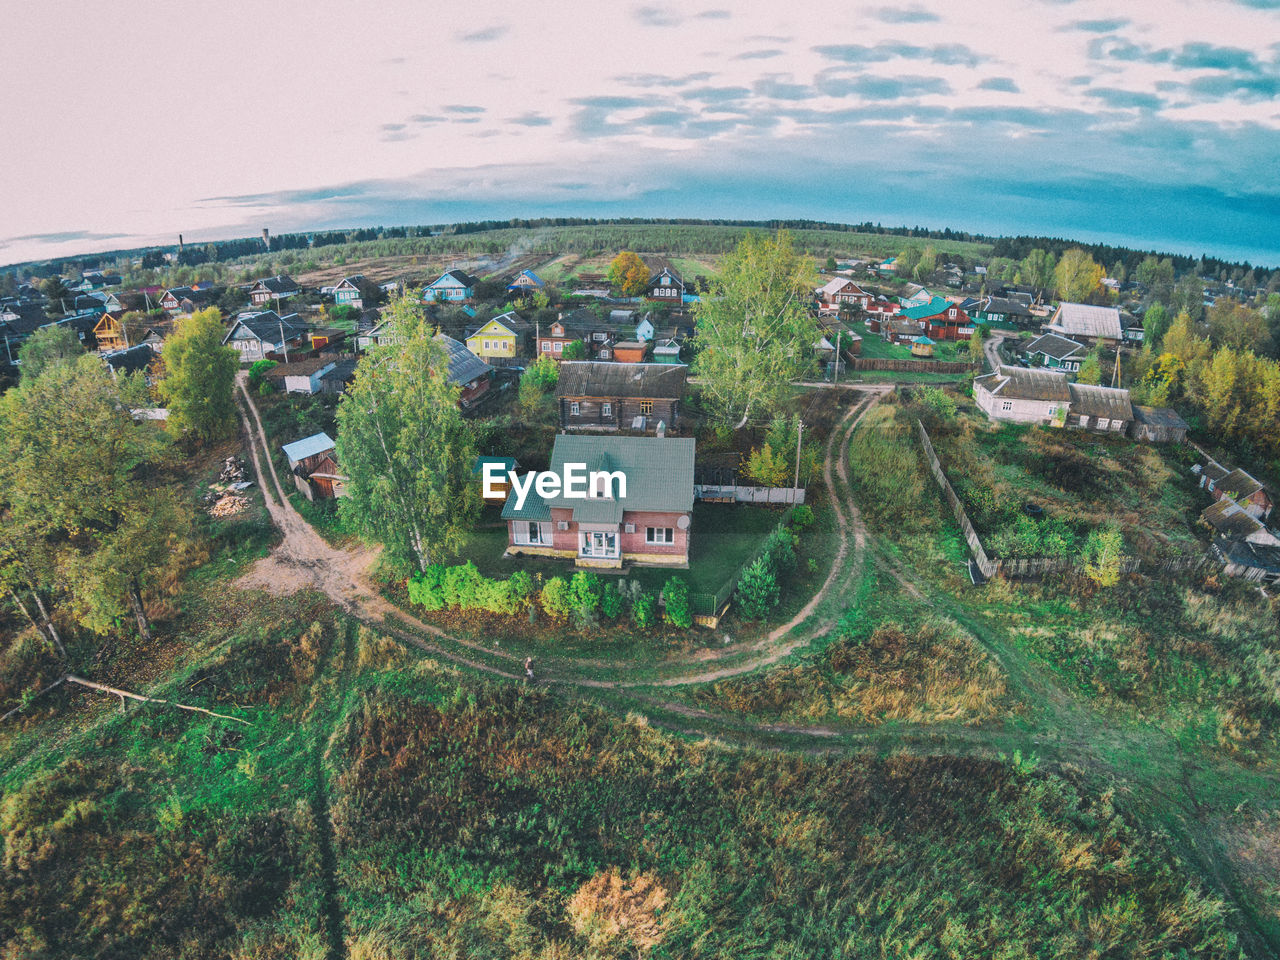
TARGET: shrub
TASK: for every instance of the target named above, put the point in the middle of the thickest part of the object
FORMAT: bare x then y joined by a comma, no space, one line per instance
801,516
1102,556
584,595
259,370
555,597
427,588
939,401
779,552
462,585
757,591
521,585
676,599
611,604
644,611
495,596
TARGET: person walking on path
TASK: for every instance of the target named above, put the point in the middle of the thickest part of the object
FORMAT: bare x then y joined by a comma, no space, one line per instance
528,668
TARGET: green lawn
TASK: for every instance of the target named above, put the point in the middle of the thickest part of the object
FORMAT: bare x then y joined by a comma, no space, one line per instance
875,348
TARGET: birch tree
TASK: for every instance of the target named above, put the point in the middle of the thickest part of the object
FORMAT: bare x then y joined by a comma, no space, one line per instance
755,330
404,448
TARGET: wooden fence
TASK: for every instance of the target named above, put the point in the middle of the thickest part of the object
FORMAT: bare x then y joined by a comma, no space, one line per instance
708,608
747,494
910,366
1039,566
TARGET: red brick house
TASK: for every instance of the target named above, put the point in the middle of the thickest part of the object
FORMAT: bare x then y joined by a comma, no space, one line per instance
649,525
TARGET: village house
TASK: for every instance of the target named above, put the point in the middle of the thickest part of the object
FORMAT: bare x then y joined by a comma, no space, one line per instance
878,312
526,283
351,291
596,395
313,461
1230,520
273,290
1133,330
1002,310
1157,425
502,340
1259,562
940,319
838,292
1019,395
1083,321
1056,353
581,324
1104,409
666,350
257,336
665,286
471,375
337,379
186,299
650,525
919,297
109,333
130,360
900,330
452,286
1236,485
304,375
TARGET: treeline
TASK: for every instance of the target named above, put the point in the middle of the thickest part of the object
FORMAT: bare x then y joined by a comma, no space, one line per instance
1018,248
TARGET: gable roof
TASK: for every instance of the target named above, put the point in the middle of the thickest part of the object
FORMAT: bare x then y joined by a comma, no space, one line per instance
931,309
1052,345
299,450
129,360
1111,403
353,282
281,283
838,284
1239,484
669,271
267,326
1019,383
529,274
1262,556
1087,320
1231,520
459,276
464,366
659,474
513,322
603,378
1005,306
1159,417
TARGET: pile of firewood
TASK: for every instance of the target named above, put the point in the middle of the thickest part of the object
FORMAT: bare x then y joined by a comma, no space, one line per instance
229,506
232,470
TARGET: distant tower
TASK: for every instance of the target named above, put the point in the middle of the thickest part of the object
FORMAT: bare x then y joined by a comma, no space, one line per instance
266,238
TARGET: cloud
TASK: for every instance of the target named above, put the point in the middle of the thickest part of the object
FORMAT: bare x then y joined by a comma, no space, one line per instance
463,108
716,94
883,88
1001,84
657,16
486,35
713,15
758,55
530,120
904,15
1206,56
610,102
1098,26
1125,99
427,118
662,80
777,89
947,54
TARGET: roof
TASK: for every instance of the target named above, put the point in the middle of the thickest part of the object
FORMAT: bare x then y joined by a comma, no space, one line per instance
666,346
667,270
342,371
458,275
1052,345
1005,306
266,326
526,273
507,463
931,309
1263,556
354,281
280,283
1239,484
838,284
1020,383
130,360
1159,417
464,366
906,328
511,320
300,368
603,378
1214,471
1231,520
659,472
922,339
1110,403
300,450
1087,320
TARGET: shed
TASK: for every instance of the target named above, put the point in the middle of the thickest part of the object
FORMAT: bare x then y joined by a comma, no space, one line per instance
922,346
1157,425
313,461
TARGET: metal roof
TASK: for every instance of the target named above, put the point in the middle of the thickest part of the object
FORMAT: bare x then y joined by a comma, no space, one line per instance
299,450
1110,403
1052,345
1231,520
1019,383
603,378
1087,320
1239,484
464,366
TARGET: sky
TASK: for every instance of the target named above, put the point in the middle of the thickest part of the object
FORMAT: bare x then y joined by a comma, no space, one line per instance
1155,125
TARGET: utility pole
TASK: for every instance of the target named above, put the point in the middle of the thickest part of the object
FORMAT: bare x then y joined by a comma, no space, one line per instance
283,341
836,375
796,483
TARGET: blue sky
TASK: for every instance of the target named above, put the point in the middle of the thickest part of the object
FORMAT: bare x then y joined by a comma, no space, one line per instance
1149,124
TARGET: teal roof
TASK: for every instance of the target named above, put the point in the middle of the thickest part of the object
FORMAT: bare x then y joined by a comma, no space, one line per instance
659,472
507,463
930,309
923,339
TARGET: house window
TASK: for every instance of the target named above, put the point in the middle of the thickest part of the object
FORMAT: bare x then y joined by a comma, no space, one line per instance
952,313
533,534
598,337
1116,425
559,347
1006,405
646,407
606,409
599,545
546,346
1104,423
659,535
573,408
1082,420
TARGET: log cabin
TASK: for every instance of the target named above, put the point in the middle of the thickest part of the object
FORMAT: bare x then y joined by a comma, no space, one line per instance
595,395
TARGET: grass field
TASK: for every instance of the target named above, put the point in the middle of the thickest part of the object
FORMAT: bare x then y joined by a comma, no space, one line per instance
874,347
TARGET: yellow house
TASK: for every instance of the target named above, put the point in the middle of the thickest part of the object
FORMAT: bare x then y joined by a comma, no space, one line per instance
502,338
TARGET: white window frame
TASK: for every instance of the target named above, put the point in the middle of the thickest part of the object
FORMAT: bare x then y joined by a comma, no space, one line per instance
1116,425
595,544
1082,420
559,347
660,535
1104,423
575,408
606,409
546,346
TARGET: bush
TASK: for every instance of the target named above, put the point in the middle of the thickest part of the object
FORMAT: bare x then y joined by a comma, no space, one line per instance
644,611
584,595
555,597
259,370
427,588
611,604
939,401
801,516
675,596
779,552
462,585
757,591
521,585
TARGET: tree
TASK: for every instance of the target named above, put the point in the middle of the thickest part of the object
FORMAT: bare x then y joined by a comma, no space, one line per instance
1118,272
1091,369
1155,322
406,451
628,273
83,490
675,598
755,331
1101,555
45,348
1076,276
927,264
574,350
199,378
537,384
55,288
907,261
757,592
831,264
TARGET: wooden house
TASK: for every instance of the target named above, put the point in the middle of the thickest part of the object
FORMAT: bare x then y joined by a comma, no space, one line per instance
666,350
109,333
1100,409
1019,395
1132,330
1259,562
313,461
649,524
565,329
1083,321
273,290
595,395
1056,353
130,360
1230,520
502,340
1157,425
526,284
352,291
304,375
1236,485
841,291
665,286
1002,310
263,336
940,319
471,375
452,286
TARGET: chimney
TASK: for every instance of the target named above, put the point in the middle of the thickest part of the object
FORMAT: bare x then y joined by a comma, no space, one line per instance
266,238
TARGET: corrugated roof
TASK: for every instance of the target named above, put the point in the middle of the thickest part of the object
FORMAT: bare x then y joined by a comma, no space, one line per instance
931,309
602,378
299,450
1263,556
1019,383
1239,484
1087,320
1052,345
1111,403
1159,417
1231,520
1214,471
464,366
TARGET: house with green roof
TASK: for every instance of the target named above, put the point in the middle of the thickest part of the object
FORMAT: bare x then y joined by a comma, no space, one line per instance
644,520
940,319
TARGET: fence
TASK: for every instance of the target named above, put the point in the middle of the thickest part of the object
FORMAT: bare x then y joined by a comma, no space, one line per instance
1039,566
710,605
747,494
911,366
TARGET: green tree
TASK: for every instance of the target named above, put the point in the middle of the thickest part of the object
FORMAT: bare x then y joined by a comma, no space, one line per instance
1091,369
628,273
537,387
757,592
405,449
574,350
1101,555
907,261
1076,276
45,348
1118,272
675,596
1155,322
556,599
199,378
55,288
755,329
831,264
927,264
